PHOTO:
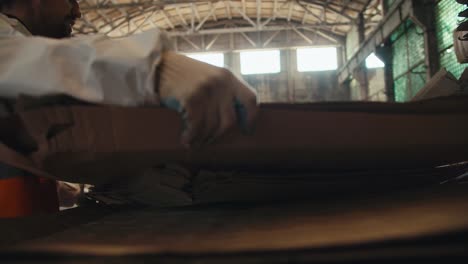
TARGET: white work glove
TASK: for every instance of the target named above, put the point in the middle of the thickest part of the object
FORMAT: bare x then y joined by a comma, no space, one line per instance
211,99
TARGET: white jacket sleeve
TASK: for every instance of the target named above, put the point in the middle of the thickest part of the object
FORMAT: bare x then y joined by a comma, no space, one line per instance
91,68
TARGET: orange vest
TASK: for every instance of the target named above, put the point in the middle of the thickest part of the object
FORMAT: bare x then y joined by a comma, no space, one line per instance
27,195
22,193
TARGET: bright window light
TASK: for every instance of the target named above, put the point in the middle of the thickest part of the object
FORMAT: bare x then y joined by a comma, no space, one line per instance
373,62
260,62
316,59
216,59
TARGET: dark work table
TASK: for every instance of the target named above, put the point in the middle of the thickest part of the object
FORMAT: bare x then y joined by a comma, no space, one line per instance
427,224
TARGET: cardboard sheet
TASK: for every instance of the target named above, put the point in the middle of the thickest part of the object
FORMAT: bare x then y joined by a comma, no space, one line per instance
92,143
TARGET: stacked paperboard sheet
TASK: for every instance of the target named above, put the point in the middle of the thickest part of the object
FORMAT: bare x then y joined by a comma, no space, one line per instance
175,186
95,143
213,187
442,84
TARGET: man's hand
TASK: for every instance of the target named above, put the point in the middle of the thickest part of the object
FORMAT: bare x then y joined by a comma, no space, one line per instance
211,99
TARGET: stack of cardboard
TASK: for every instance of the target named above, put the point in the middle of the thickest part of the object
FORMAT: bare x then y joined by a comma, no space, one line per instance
209,187
92,143
464,82
101,145
442,84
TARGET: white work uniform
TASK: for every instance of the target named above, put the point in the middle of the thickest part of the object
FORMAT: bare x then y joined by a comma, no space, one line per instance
95,68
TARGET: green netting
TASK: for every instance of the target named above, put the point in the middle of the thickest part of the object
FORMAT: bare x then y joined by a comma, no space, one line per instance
398,32
408,60
417,80
416,49
401,92
409,84
408,48
446,21
400,61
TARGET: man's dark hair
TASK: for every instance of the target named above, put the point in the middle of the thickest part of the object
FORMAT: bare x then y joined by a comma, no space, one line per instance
5,3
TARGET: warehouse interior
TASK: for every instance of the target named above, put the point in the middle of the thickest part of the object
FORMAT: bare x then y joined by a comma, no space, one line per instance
359,155
395,31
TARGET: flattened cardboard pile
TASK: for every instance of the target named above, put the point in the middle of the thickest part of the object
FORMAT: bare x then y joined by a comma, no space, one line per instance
91,143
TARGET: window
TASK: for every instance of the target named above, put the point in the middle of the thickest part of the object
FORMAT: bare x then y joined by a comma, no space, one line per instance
260,62
373,62
216,59
317,59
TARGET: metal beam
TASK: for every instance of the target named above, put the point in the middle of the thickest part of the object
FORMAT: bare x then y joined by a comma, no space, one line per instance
384,52
181,18
88,23
307,11
303,36
273,36
259,11
191,43
192,18
195,11
324,35
424,16
243,14
248,39
184,19
124,13
212,42
200,25
304,18
275,13
213,10
329,7
136,3
291,6
131,15
275,6
166,18
228,10
399,13
248,29
235,41
149,16
120,5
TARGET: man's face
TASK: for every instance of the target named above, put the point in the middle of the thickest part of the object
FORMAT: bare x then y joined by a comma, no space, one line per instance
55,18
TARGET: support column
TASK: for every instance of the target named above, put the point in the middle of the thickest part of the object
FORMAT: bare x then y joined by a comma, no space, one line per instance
289,60
235,63
360,72
385,54
341,54
423,14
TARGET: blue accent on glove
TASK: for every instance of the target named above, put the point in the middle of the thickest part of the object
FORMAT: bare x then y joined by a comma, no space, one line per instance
172,103
241,113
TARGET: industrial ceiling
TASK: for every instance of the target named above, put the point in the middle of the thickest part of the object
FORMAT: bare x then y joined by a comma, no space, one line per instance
230,25
328,18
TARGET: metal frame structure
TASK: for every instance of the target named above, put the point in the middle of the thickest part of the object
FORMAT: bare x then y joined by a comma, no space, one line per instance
185,20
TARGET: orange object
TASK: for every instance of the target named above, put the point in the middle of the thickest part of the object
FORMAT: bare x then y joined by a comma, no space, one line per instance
17,196
26,195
